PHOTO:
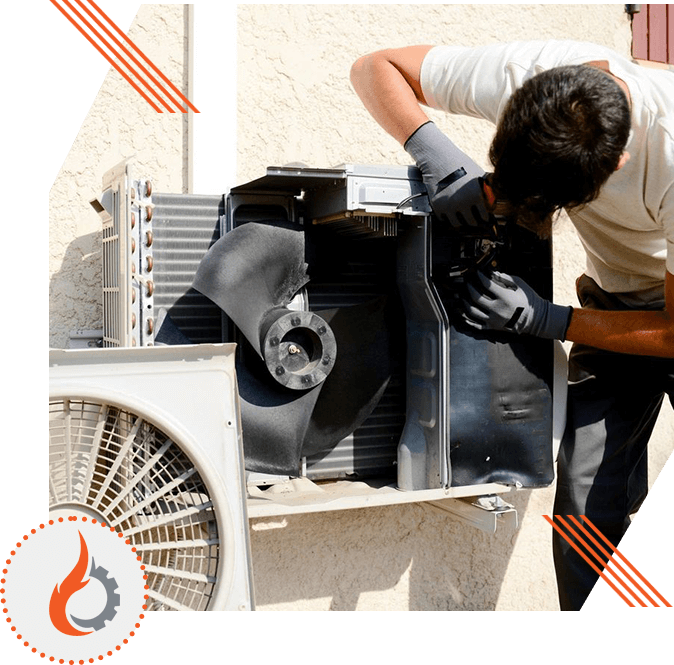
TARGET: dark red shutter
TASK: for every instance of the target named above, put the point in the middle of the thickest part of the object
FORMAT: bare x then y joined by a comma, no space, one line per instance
653,33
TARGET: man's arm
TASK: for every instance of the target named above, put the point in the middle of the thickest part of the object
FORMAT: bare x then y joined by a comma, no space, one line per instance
636,332
507,303
388,84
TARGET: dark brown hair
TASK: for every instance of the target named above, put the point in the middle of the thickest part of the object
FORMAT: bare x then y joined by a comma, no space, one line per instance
559,139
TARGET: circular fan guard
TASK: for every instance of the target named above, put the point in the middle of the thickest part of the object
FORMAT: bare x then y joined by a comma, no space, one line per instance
109,463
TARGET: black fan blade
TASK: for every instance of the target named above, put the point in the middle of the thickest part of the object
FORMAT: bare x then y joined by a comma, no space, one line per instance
306,379
361,373
282,426
167,332
252,273
274,419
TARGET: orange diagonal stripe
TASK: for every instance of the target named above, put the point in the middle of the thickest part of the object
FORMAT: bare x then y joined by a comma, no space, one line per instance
147,60
587,560
641,577
107,57
134,60
103,41
111,47
611,560
604,564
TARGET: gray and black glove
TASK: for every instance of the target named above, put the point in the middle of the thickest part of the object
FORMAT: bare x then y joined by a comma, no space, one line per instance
453,180
509,304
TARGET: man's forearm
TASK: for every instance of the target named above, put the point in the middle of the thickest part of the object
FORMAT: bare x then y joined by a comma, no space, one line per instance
388,87
638,333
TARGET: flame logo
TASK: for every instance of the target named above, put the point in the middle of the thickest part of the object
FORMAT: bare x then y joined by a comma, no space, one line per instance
70,585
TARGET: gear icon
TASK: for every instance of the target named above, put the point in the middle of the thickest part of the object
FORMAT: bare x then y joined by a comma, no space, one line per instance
111,605
49,587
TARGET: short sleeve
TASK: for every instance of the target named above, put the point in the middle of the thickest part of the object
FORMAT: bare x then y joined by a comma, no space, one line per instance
465,81
478,81
667,212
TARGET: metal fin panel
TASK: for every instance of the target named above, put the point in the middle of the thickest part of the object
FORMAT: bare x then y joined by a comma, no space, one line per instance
184,227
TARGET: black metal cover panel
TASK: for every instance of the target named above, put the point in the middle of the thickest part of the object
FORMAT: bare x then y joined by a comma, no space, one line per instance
500,421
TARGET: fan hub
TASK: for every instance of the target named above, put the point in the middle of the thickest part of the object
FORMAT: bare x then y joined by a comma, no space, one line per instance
299,349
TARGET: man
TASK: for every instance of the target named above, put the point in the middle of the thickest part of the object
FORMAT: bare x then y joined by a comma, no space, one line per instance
581,128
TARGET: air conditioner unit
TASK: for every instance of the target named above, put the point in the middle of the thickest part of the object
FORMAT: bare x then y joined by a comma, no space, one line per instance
147,440
454,413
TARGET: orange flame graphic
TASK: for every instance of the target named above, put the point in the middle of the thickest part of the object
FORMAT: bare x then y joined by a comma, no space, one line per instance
70,585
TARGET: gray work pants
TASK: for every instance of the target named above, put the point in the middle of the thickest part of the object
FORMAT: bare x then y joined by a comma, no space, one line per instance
613,403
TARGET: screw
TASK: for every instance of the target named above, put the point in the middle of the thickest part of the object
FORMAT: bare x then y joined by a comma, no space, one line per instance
274,341
292,350
327,360
295,321
280,371
322,330
307,379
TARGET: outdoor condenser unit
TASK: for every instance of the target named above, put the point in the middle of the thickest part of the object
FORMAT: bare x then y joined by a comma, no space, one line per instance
450,410
292,346
148,442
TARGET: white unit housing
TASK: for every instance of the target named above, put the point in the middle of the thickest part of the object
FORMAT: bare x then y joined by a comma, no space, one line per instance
148,440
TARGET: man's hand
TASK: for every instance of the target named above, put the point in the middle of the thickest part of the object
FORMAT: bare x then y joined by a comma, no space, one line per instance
453,180
509,304
388,83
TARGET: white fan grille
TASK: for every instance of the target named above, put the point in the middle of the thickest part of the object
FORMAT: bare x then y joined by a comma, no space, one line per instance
115,464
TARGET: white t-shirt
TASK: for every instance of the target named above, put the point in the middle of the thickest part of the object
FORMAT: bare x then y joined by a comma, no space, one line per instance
628,231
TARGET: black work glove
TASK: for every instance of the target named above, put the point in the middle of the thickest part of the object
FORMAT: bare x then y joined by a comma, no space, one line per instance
453,180
509,304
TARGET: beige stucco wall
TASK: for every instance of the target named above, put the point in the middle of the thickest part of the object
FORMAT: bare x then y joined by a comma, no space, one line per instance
295,103
120,124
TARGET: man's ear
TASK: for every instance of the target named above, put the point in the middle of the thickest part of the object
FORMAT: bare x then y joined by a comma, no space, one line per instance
624,158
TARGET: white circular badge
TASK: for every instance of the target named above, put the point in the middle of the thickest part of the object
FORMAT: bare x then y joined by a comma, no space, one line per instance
73,590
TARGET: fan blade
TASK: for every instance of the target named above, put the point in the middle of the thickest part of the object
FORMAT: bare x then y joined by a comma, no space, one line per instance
252,273
361,373
274,419
252,270
280,427
336,363
168,333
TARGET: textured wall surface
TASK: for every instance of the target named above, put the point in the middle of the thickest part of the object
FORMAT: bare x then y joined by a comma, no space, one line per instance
295,103
120,124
